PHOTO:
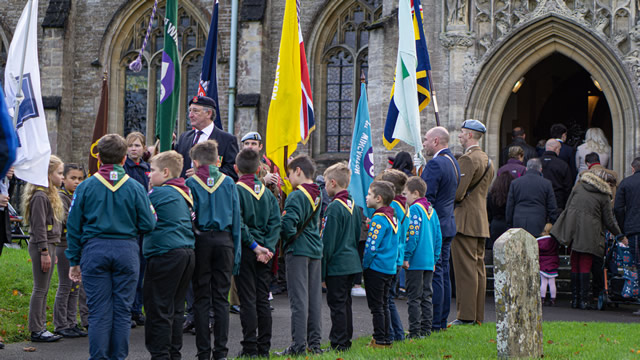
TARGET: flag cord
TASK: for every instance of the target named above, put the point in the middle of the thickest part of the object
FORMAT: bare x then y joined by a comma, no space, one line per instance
20,95
136,65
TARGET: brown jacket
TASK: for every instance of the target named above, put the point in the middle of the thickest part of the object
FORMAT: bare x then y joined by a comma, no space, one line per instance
43,227
471,211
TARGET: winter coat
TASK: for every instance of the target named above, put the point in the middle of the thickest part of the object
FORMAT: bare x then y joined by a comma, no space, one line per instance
548,250
581,225
557,171
514,167
627,205
531,203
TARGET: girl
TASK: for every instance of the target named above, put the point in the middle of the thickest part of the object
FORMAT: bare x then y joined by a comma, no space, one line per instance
65,306
549,262
44,211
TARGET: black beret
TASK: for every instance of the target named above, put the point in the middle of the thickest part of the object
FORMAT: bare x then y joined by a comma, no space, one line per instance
203,101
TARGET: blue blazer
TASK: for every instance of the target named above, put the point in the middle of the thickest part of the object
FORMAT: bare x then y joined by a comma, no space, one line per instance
442,181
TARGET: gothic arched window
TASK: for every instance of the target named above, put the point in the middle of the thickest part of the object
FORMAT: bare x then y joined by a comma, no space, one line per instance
142,90
345,56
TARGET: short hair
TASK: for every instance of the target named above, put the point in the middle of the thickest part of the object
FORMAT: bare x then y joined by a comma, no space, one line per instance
74,166
339,172
557,130
515,152
476,135
305,164
592,158
384,189
517,132
395,177
171,160
415,183
136,135
635,164
112,149
534,164
441,133
248,161
206,153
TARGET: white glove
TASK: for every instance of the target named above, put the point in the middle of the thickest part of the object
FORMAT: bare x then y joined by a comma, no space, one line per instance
418,160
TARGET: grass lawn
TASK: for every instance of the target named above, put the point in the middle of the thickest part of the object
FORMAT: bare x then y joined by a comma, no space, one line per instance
562,340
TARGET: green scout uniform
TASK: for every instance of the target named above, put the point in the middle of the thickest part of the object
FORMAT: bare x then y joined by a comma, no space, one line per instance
260,213
298,207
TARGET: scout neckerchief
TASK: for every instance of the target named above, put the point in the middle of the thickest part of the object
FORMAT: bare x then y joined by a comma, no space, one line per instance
402,201
112,176
425,205
178,185
389,213
251,183
209,177
312,192
342,197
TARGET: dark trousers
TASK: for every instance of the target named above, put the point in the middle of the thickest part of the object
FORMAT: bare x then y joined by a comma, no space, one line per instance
166,279
211,283
255,312
339,301
357,280
597,275
378,285
396,330
442,287
138,299
420,308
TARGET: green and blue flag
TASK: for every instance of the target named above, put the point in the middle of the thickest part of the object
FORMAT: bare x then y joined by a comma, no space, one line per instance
361,157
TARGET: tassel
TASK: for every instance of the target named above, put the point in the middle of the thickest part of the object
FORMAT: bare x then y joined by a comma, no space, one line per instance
136,65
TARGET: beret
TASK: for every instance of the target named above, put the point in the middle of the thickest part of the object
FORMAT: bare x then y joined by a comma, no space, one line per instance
203,101
474,125
251,136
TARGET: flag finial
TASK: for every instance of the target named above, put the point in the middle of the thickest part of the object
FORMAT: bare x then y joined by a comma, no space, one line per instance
363,79
104,75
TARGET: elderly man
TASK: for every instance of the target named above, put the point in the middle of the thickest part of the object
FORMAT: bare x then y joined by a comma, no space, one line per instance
441,174
472,225
202,111
557,171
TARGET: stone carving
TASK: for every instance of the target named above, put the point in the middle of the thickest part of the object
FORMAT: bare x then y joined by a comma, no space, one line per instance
517,295
457,12
457,39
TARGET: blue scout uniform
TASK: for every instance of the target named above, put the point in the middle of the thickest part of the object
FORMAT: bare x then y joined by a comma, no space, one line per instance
424,238
398,204
381,248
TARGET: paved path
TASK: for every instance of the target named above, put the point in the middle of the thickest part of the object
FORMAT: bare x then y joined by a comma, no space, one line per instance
72,349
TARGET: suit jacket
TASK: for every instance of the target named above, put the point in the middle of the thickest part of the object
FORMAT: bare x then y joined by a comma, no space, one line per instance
568,154
442,181
531,203
471,211
558,172
227,150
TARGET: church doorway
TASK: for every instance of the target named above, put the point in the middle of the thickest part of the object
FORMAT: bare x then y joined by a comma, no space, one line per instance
556,90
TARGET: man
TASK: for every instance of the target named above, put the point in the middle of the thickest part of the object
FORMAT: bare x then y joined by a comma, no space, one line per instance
558,172
531,202
515,165
202,111
592,160
269,172
518,139
441,174
567,152
627,211
472,225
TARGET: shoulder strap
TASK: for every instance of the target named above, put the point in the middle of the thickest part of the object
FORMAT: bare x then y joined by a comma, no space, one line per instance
455,168
304,226
472,187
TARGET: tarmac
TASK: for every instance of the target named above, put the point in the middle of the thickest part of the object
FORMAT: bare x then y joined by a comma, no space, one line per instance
72,349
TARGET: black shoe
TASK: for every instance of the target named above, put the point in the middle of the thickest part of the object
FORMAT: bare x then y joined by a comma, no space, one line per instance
79,331
248,355
138,318
234,309
187,326
67,333
414,336
575,289
44,336
1,346
290,351
271,308
265,355
460,322
133,324
316,350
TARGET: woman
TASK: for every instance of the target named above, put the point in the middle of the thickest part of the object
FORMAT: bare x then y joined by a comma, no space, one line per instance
581,226
594,141
496,207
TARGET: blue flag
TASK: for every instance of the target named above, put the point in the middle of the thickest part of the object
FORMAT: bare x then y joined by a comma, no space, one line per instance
8,139
361,158
208,79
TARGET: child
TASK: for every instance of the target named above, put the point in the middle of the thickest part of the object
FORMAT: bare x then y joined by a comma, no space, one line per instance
217,230
66,304
44,211
138,170
109,210
380,257
303,254
169,255
340,260
420,256
549,262
399,205
260,232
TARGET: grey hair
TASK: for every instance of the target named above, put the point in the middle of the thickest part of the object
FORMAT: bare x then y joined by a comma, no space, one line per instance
534,164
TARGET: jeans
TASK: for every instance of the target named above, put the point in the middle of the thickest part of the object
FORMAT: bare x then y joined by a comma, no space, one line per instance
138,300
378,285
110,270
442,287
396,331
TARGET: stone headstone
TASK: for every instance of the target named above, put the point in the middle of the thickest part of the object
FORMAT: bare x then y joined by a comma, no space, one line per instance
517,295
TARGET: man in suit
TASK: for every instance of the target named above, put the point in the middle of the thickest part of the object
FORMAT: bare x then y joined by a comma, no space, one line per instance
531,202
518,138
567,152
441,174
557,171
472,225
202,111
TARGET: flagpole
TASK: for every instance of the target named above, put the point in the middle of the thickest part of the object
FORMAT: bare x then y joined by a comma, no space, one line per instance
433,95
20,95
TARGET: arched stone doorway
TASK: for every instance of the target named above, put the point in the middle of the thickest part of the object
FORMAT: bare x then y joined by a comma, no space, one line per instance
528,47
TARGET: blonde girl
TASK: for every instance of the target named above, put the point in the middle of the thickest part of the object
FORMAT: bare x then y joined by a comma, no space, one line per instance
44,212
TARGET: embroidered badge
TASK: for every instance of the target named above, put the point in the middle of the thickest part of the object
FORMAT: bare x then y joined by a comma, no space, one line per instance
317,201
113,176
210,181
256,188
412,233
378,226
373,248
376,232
349,203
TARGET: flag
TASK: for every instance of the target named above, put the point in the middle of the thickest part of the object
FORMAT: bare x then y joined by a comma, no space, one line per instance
8,139
32,155
208,80
291,95
361,157
100,127
170,80
422,85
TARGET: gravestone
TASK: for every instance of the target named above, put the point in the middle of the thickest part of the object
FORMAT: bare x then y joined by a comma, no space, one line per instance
517,295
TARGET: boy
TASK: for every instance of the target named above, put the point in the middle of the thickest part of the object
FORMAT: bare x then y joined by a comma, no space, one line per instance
420,256
217,231
303,254
340,260
168,251
399,205
109,210
260,232
380,256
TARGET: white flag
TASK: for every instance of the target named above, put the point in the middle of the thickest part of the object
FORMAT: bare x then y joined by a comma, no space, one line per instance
32,155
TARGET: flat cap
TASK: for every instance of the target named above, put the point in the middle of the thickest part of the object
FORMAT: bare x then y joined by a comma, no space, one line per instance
474,125
251,136
203,101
